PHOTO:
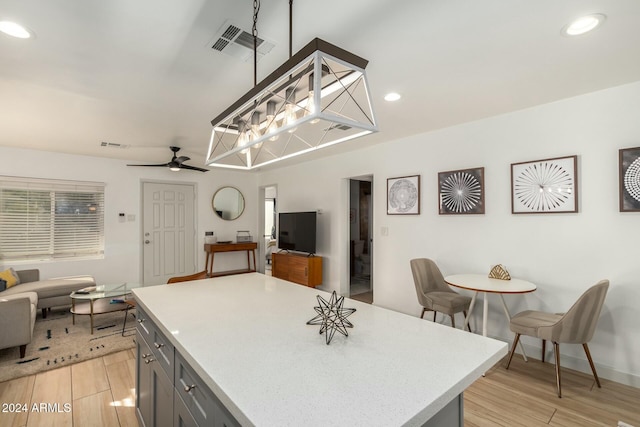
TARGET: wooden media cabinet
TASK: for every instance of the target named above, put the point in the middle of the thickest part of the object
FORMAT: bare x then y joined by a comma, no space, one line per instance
302,269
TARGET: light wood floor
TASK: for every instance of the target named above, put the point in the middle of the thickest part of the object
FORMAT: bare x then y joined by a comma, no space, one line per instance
525,395
101,393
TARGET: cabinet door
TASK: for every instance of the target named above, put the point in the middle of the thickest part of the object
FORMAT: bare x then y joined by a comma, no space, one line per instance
162,396
143,382
181,415
299,270
154,389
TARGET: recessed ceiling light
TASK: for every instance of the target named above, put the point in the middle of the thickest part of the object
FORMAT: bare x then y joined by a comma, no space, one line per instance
584,24
15,30
392,96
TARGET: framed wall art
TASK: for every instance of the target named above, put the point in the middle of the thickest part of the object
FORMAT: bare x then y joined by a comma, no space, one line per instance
461,191
403,195
630,179
545,186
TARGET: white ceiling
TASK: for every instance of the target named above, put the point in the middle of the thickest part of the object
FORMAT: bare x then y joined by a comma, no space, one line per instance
141,73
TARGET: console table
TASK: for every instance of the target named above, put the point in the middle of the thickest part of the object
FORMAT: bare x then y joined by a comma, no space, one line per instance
212,248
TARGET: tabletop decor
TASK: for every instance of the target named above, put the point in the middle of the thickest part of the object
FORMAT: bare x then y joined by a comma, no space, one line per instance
403,195
461,191
499,272
630,179
332,316
545,186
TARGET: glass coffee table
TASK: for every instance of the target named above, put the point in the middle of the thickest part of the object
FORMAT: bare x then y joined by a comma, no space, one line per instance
101,299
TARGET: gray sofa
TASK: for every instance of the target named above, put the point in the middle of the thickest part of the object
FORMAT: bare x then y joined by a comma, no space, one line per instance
19,304
51,292
17,319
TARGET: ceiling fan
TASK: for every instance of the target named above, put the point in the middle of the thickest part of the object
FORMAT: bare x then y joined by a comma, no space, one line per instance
177,163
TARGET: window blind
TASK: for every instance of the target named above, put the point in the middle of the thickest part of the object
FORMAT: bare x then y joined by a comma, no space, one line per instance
50,219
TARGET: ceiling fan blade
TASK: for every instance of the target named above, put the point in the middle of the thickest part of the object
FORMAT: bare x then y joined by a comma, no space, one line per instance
154,165
193,168
176,163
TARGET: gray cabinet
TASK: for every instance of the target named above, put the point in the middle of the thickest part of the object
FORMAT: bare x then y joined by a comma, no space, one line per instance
181,415
154,389
168,391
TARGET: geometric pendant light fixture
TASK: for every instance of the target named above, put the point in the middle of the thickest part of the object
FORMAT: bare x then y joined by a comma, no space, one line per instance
317,98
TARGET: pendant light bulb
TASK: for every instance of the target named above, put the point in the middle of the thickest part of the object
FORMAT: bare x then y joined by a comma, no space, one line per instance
272,126
255,128
290,109
311,102
244,135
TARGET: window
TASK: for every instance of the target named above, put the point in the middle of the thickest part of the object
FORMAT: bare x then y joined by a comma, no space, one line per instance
46,219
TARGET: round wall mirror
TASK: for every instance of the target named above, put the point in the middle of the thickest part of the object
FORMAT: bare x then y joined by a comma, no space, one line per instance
228,203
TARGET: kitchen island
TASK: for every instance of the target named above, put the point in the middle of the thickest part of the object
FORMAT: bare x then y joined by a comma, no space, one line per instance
244,343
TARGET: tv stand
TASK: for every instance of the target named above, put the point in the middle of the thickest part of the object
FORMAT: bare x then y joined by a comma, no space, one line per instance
298,268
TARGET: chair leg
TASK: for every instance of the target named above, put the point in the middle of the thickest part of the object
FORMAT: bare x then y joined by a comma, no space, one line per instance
544,342
513,349
23,350
593,368
453,321
44,313
434,316
556,351
423,311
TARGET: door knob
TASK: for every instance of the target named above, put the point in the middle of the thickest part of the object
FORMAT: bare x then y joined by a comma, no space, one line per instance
146,242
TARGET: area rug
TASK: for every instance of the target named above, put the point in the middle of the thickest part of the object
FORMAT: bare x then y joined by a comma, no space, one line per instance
57,342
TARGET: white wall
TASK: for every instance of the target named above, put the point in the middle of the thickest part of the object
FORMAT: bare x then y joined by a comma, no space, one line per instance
123,249
562,253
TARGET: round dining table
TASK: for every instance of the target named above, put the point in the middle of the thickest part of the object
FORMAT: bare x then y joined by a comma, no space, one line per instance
487,285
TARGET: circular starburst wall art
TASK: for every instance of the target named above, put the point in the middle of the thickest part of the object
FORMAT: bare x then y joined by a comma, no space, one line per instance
461,191
630,179
544,186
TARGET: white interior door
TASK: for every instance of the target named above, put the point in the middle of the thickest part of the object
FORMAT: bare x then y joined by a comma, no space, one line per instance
168,231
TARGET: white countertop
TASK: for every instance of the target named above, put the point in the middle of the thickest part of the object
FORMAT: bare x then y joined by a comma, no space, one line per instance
246,336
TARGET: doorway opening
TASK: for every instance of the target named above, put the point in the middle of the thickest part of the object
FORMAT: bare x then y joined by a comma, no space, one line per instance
270,224
361,238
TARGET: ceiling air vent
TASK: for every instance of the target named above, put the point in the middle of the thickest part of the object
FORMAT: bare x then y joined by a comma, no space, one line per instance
340,127
113,145
236,42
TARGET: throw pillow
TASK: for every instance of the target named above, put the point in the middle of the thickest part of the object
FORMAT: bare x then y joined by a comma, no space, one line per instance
15,275
10,276
3,285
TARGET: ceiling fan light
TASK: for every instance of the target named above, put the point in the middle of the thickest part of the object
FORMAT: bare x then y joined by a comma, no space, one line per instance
174,169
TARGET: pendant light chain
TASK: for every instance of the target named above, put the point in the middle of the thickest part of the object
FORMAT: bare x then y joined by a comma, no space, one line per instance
256,9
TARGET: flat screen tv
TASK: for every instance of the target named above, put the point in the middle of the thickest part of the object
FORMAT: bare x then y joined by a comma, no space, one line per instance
297,231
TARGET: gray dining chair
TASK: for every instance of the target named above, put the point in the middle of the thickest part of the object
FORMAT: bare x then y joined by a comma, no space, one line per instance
576,326
433,292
